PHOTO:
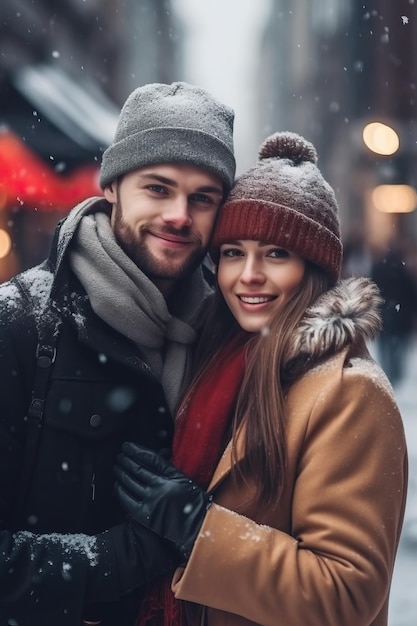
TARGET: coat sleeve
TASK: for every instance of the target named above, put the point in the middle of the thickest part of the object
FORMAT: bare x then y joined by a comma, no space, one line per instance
335,564
44,574
54,574
38,572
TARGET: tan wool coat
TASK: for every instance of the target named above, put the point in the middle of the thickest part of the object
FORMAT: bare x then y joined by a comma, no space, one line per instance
324,555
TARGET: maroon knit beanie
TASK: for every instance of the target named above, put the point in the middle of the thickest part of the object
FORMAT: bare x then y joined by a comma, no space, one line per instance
284,200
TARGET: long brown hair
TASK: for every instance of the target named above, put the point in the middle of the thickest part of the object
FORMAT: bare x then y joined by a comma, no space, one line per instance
260,405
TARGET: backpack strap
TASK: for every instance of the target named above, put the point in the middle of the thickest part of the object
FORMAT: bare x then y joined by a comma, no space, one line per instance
45,358
47,327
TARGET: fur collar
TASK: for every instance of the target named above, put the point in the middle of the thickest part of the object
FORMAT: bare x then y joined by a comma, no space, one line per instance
347,314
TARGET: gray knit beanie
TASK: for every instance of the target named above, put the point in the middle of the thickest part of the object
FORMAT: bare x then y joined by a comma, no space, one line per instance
284,200
176,123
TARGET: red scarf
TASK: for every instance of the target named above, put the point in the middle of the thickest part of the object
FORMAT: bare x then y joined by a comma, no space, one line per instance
198,444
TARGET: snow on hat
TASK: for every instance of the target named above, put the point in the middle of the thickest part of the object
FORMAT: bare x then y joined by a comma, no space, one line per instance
176,123
284,200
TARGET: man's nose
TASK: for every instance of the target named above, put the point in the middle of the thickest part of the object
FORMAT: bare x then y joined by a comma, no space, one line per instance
177,212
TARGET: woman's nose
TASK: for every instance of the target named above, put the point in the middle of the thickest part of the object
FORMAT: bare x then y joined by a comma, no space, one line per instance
252,272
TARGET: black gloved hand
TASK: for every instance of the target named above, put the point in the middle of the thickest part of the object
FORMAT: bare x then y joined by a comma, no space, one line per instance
142,556
160,497
138,555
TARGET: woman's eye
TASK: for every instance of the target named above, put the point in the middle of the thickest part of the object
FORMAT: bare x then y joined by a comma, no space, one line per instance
279,253
231,252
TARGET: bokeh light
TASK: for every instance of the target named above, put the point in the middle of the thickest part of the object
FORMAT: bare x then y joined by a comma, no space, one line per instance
394,198
381,138
5,243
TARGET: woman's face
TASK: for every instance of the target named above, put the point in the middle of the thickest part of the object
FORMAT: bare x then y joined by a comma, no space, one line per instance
256,279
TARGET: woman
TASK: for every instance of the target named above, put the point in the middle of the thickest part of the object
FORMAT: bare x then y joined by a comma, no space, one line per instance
289,432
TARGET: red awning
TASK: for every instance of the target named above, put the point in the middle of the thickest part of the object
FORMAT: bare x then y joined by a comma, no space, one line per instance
27,181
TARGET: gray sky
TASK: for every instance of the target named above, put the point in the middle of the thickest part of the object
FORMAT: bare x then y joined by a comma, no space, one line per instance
221,56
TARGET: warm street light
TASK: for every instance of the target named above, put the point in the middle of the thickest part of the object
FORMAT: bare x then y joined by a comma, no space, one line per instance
381,138
394,198
5,243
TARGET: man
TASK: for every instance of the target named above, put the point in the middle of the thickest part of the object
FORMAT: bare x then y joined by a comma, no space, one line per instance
95,347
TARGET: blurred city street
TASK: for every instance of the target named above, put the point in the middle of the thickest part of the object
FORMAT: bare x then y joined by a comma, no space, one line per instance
341,74
403,605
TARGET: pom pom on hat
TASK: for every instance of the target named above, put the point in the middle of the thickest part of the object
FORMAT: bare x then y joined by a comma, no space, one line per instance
284,200
288,146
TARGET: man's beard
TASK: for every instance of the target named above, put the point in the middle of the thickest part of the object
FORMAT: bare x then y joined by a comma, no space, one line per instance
133,244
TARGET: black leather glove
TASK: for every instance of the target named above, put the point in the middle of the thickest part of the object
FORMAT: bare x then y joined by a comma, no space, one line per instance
160,497
139,556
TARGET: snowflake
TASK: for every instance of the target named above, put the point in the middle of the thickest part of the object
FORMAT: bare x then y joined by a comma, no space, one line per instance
405,19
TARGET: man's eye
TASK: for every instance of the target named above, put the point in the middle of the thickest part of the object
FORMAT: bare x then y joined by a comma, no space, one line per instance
157,188
201,197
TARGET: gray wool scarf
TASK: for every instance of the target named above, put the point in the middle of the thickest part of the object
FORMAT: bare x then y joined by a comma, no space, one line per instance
129,302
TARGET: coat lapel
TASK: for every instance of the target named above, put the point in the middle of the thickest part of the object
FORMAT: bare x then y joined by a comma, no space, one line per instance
226,462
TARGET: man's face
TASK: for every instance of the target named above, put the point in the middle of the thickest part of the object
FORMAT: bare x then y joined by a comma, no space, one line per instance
163,216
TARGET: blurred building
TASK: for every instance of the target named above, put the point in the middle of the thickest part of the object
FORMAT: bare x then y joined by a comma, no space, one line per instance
65,70
329,69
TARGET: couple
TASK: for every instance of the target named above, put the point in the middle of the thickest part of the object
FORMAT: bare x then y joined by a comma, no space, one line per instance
279,496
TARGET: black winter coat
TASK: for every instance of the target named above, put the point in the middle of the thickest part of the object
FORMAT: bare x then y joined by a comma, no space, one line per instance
64,552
